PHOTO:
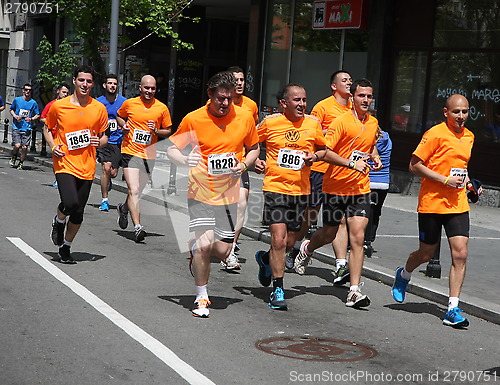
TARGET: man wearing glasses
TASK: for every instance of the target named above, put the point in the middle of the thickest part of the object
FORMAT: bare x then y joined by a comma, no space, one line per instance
24,110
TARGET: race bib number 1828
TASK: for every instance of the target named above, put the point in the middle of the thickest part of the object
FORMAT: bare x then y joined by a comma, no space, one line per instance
220,164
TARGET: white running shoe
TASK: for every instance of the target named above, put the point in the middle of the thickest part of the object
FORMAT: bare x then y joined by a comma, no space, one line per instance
303,259
356,299
231,262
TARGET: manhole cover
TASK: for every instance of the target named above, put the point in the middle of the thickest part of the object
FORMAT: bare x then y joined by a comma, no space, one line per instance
316,349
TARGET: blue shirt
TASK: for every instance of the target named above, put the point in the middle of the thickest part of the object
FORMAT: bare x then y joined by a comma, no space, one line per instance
25,109
384,147
115,135
1,102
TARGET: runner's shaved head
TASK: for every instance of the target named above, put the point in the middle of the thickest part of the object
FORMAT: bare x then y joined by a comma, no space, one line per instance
147,79
456,99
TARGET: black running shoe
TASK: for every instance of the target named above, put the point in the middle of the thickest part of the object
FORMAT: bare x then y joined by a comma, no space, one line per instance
65,255
122,217
57,233
140,234
264,269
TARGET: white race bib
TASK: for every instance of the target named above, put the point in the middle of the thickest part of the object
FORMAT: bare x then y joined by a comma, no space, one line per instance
24,113
291,159
357,155
112,125
220,164
142,137
78,139
461,172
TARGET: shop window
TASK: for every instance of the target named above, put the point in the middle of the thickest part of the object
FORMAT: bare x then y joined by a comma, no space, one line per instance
467,24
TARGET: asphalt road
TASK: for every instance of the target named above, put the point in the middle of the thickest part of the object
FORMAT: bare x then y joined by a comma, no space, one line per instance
122,314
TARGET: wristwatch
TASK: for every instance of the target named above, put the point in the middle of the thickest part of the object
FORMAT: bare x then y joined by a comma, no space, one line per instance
352,164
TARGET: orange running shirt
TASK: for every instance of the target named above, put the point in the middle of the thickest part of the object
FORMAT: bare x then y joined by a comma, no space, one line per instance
326,111
140,141
446,152
285,141
221,140
249,105
350,139
72,126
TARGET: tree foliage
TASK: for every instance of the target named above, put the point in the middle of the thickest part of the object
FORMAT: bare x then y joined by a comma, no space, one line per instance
56,67
91,18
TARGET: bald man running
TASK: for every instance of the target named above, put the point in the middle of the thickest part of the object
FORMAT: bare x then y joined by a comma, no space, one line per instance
441,161
143,119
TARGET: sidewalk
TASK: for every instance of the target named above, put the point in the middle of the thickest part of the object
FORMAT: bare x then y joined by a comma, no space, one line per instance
397,237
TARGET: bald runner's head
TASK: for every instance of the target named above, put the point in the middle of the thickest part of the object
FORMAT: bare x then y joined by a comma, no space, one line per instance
456,112
147,88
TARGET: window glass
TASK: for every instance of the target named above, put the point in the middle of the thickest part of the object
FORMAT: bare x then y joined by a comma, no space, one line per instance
474,76
467,24
408,91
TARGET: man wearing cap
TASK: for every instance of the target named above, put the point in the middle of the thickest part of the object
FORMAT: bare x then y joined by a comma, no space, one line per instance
441,161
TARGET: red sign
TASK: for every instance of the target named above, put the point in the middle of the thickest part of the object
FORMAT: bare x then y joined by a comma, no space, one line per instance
338,14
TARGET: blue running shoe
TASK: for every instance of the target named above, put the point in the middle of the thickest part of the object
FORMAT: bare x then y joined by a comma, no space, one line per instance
54,184
277,299
104,206
454,319
264,269
399,287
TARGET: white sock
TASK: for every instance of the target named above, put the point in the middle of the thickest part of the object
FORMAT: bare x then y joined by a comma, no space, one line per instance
60,220
201,292
354,288
340,262
104,199
405,274
137,227
452,302
66,243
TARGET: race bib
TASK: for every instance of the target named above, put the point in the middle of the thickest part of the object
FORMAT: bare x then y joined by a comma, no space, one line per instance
291,159
461,172
357,155
78,139
142,137
24,113
112,125
220,164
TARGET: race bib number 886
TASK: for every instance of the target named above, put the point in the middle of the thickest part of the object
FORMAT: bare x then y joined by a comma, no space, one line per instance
291,159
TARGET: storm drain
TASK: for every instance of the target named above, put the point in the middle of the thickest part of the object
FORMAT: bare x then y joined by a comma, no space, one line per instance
316,349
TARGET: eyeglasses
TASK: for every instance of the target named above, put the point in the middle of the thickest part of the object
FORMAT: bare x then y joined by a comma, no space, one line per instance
27,89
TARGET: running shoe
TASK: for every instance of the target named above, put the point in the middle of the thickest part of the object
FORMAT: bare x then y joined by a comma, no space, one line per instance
191,247
122,217
368,250
264,268
57,233
104,206
399,286
54,184
303,259
20,166
65,255
342,275
237,247
12,161
290,258
231,262
356,299
139,235
201,309
454,319
277,299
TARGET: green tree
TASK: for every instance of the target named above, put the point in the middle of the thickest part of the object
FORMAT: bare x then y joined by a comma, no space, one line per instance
91,18
57,66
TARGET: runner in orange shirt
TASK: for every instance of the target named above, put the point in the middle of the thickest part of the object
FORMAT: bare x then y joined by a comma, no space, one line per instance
293,142
441,161
231,262
326,111
351,137
73,129
143,119
219,134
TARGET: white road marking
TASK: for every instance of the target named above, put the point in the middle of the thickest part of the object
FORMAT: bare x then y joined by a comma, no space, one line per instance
153,345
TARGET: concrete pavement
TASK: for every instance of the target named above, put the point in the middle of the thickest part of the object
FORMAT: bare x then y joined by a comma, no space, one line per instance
397,237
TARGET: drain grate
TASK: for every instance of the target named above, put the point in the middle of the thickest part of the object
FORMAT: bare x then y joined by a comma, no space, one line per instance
316,349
